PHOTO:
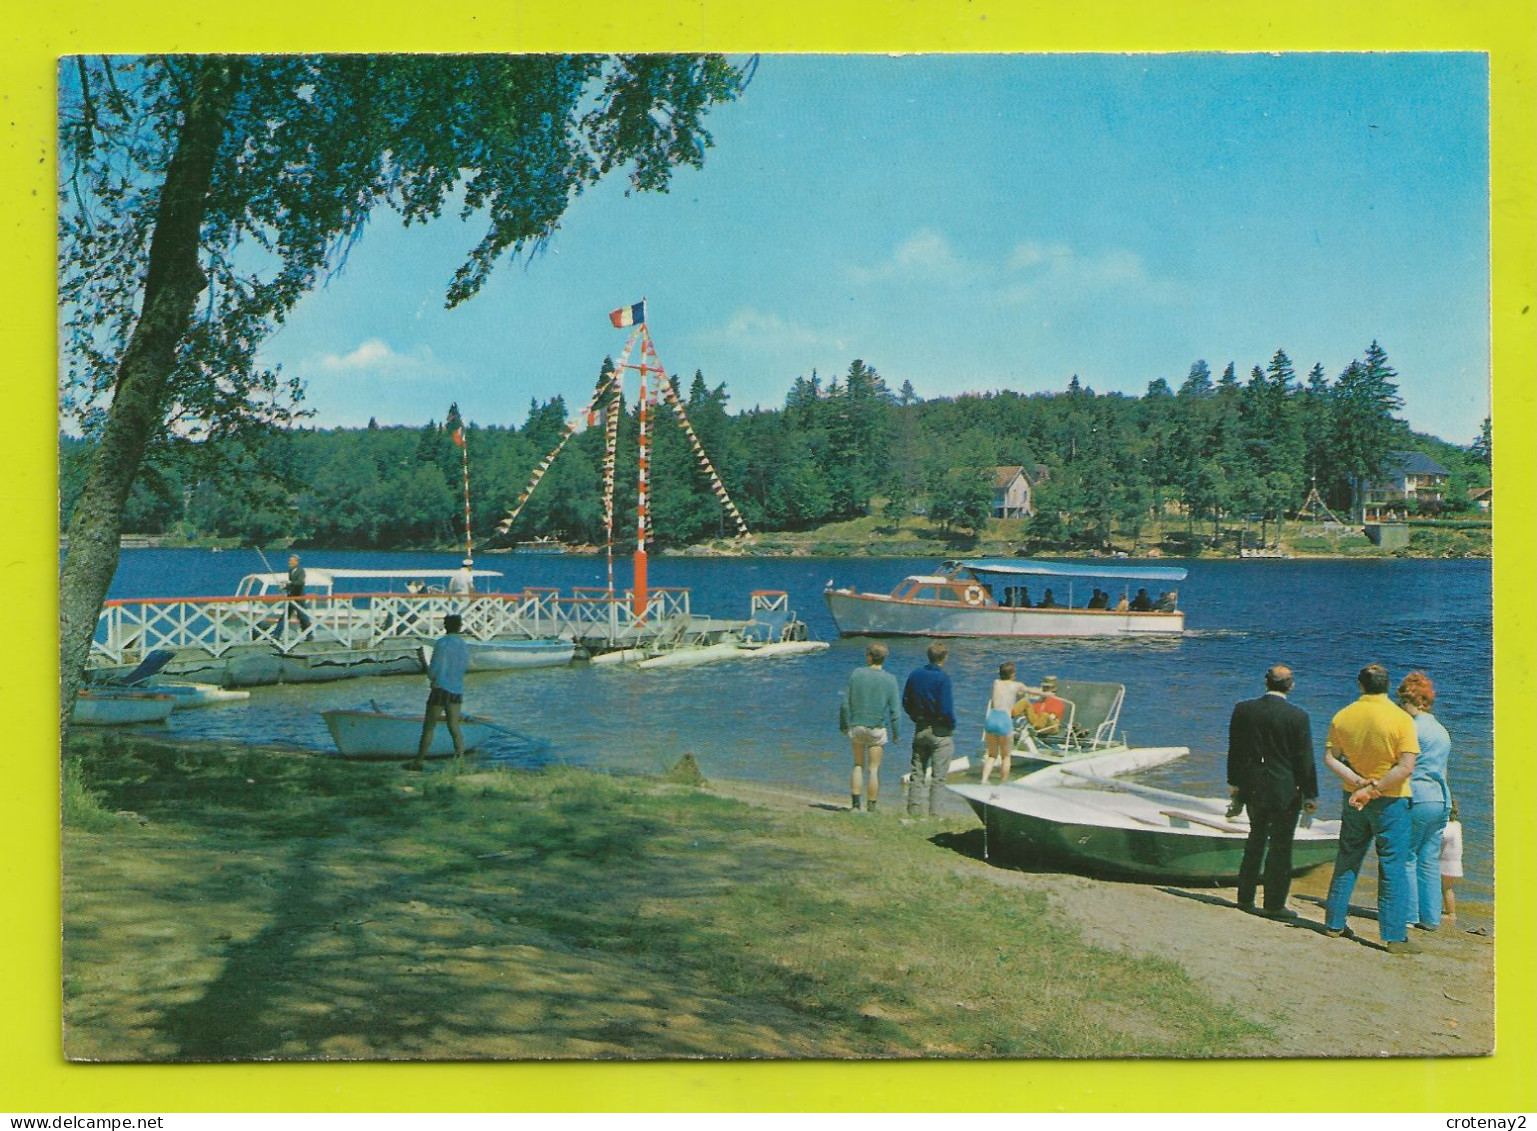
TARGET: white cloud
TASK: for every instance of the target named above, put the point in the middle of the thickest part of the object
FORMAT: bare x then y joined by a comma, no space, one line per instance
1027,272
376,356
1035,271
925,256
758,330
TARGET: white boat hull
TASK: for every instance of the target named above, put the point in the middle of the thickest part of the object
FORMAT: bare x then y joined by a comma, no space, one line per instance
876,614
191,695
510,655
785,648
689,657
374,734
120,708
1039,821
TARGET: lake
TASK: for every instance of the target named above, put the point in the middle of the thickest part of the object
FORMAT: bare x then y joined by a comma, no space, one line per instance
775,721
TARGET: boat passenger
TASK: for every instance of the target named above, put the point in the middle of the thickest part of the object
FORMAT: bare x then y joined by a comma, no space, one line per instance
1045,714
463,580
868,715
1048,601
998,729
1024,597
1141,603
1122,605
1167,602
1100,600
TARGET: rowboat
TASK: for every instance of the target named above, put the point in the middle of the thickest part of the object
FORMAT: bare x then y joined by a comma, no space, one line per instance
100,707
507,655
1081,819
378,734
990,597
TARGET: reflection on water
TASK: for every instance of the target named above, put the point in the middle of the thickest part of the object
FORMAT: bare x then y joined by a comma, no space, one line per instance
775,720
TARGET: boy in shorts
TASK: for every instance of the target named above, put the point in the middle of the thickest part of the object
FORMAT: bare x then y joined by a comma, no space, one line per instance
450,660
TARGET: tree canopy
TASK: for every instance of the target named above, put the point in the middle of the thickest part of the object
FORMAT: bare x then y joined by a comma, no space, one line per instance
201,196
1102,465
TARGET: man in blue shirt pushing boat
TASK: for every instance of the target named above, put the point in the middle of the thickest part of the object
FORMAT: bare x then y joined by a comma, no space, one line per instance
450,660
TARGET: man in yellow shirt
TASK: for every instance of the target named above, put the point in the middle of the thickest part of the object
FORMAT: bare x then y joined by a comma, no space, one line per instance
1371,748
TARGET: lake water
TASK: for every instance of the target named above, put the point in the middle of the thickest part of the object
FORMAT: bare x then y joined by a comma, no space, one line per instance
775,721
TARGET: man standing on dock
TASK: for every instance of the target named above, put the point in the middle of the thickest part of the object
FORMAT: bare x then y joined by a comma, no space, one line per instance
462,583
450,660
868,715
930,703
1270,769
295,588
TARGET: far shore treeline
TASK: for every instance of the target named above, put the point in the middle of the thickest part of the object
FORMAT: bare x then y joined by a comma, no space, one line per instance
1104,466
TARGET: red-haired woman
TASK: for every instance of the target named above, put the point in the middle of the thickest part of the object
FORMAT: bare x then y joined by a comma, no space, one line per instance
1430,801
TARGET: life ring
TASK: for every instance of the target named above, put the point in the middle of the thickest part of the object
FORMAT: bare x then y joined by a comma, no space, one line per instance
973,594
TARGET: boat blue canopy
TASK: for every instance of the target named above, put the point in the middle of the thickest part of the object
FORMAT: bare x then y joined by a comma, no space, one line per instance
1070,570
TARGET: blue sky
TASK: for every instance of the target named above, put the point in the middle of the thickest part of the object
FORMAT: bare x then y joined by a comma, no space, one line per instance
974,223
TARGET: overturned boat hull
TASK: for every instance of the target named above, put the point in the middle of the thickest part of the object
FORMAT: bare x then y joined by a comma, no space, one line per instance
1112,835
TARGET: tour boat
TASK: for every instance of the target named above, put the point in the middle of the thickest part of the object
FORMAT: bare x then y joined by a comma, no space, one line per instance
990,597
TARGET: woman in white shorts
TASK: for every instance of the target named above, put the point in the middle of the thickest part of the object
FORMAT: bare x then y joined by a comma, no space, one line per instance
998,728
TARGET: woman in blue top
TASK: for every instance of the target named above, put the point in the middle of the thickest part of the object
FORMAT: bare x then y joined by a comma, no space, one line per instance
1430,801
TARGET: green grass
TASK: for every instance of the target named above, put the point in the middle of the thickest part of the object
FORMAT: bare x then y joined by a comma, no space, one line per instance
289,906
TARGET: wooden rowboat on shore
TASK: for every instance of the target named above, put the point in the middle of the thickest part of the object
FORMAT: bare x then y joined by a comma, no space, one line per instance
99,707
378,734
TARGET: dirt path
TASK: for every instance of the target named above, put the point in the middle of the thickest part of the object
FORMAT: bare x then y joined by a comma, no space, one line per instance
1322,996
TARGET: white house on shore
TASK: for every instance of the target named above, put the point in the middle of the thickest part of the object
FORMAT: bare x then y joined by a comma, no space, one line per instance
1012,493
1409,479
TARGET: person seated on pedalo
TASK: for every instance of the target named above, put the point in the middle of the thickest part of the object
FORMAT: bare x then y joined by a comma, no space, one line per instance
1045,713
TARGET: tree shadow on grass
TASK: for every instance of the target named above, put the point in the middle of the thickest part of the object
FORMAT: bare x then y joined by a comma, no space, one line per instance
574,919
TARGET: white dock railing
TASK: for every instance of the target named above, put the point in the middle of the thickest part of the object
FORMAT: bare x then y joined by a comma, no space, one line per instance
129,629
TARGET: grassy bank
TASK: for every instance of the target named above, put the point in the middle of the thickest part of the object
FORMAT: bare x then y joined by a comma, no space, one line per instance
239,903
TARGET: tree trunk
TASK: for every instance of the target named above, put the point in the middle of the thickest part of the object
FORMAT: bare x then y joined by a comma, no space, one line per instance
173,280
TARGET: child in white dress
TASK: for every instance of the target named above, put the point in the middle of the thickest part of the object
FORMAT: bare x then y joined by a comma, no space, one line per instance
1451,863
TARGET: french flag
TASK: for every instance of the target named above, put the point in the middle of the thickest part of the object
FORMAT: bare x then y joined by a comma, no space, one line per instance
628,315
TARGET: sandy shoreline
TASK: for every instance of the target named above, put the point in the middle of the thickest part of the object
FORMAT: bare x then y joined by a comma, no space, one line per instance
1322,996
1318,996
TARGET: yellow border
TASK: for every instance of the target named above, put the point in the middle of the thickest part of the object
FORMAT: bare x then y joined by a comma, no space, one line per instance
36,1078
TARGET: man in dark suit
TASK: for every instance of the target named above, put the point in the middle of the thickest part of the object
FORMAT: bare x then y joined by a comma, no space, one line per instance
1270,769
